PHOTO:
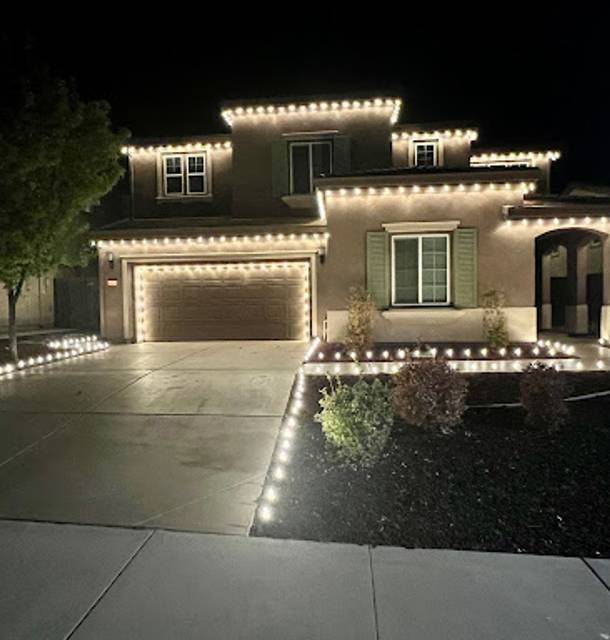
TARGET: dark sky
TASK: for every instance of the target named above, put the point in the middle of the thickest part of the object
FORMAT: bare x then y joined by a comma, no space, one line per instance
522,83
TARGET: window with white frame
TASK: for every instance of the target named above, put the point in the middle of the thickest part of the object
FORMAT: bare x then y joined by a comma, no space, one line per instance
309,160
420,269
425,153
184,174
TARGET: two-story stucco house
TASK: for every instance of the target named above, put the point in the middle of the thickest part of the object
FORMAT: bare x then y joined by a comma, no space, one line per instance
260,233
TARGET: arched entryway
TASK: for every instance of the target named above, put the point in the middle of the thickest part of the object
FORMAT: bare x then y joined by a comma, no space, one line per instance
569,281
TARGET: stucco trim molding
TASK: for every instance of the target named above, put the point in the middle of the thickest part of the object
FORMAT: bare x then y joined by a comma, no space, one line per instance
436,325
421,227
300,200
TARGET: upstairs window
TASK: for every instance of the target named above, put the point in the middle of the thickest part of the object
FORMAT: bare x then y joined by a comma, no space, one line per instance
309,160
426,154
420,270
185,175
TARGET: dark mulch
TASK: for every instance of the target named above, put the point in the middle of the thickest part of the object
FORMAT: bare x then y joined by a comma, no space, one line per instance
493,485
490,388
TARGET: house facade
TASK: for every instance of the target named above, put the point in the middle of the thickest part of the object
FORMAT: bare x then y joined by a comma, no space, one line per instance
260,233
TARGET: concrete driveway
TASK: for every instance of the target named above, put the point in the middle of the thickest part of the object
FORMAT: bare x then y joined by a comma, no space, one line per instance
174,435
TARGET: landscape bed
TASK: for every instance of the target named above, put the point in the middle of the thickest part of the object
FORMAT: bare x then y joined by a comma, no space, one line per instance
28,348
495,484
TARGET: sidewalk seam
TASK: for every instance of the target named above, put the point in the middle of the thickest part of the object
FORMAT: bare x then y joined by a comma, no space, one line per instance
109,586
375,617
594,572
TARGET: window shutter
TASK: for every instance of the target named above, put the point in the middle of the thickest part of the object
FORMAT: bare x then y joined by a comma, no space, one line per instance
465,261
279,168
377,267
342,161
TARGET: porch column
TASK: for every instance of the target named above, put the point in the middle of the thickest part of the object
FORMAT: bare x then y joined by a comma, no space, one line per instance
546,319
604,325
577,311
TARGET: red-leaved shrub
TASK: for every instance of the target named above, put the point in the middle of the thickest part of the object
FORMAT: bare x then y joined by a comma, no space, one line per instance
428,393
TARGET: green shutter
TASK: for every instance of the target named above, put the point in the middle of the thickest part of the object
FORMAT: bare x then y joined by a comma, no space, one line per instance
279,168
465,260
341,155
378,268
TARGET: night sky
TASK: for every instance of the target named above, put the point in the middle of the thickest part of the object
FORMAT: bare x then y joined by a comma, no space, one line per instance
523,85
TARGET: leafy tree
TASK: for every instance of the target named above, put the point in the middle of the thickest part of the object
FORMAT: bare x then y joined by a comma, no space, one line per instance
58,157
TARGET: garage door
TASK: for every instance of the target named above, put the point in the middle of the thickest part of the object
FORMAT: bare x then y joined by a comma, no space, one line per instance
228,301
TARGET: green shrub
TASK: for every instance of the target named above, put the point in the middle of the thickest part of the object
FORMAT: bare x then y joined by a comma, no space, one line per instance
494,319
357,419
543,390
428,393
360,315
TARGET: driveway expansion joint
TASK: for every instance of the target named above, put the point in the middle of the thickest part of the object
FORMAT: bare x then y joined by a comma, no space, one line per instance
110,584
596,574
369,551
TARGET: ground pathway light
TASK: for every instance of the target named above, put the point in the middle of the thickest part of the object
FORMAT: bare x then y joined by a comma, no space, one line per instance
545,348
333,359
63,349
282,457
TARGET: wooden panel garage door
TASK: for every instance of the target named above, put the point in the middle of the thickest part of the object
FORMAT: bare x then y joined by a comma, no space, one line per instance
228,301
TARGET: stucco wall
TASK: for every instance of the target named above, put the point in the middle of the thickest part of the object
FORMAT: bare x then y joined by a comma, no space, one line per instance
147,187
454,153
506,255
370,148
35,305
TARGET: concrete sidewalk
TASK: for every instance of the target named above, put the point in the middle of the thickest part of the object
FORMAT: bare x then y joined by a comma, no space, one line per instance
66,581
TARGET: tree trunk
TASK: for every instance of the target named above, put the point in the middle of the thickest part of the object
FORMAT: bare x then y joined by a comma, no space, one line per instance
13,296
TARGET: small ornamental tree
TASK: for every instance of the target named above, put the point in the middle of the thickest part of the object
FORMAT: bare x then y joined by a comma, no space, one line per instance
360,315
494,319
58,157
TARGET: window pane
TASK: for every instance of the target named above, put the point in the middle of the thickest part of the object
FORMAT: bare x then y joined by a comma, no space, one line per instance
301,182
434,269
173,165
173,184
405,270
424,155
196,164
321,159
427,293
196,184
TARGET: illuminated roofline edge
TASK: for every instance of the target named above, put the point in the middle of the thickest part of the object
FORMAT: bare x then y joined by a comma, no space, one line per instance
322,106
187,147
480,186
515,156
218,240
555,220
404,136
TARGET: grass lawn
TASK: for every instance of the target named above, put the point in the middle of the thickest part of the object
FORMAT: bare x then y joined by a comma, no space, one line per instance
494,484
